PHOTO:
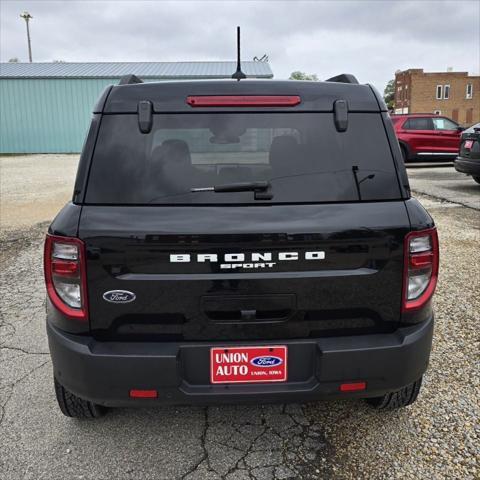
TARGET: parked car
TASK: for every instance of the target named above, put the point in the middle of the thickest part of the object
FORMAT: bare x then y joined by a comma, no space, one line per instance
427,136
468,160
248,241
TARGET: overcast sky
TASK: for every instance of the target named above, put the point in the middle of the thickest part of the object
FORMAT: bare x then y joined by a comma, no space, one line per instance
370,39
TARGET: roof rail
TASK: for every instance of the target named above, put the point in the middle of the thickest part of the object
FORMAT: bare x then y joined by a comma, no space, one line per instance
128,79
420,113
343,78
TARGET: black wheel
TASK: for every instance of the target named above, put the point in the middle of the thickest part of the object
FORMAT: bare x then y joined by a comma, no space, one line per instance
477,179
401,398
404,153
73,406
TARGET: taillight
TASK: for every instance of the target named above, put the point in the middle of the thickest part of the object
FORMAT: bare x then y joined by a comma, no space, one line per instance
243,100
65,275
421,268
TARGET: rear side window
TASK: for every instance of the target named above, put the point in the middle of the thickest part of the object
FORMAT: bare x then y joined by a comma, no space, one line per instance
444,124
421,123
301,155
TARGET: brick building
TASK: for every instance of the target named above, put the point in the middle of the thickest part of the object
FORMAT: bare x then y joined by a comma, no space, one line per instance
453,94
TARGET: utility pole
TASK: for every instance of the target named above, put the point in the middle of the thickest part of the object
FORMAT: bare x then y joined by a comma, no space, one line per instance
26,16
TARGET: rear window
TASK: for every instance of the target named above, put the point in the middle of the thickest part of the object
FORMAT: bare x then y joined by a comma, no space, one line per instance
300,155
419,123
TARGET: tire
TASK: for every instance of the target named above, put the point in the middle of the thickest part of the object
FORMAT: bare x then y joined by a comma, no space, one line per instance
401,398
477,179
75,407
404,153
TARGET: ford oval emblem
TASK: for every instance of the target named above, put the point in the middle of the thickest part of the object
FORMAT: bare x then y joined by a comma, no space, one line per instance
119,296
266,361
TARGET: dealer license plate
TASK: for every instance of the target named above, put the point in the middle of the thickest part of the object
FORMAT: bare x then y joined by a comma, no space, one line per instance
248,364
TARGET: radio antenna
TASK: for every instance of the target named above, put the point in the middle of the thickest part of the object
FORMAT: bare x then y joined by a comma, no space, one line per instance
238,75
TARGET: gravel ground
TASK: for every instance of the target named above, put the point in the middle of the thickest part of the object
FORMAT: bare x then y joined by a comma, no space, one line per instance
437,437
34,187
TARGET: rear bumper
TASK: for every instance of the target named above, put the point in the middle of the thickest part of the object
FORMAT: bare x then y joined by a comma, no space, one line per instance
104,372
470,167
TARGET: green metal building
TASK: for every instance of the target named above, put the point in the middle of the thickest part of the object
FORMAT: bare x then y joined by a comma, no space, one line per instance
46,107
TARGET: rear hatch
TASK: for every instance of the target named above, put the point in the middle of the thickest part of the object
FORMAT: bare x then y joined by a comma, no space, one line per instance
316,251
282,272
470,143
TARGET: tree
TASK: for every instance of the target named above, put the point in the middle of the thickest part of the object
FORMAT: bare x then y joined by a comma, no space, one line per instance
303,76
13,60
389,94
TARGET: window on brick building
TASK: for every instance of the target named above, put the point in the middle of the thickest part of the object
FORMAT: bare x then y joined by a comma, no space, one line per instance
439,92
446,92
469,91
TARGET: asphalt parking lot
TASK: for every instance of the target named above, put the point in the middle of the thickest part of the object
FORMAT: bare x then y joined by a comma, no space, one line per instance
438,437
444,183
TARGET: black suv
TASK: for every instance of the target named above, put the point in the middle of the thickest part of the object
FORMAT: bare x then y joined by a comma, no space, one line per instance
249,241
468,160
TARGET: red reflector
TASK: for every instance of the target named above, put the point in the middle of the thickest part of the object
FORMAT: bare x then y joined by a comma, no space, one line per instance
143,393
353,387
62,267
421,259
244,101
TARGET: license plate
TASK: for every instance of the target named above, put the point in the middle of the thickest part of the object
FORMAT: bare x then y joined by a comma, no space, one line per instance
248,364
468,143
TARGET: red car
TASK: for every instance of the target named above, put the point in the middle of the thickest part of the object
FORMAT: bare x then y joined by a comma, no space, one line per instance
427,136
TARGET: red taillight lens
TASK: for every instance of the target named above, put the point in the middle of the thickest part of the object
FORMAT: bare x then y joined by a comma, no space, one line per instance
63,267
244,101
421,260
421,268
65,275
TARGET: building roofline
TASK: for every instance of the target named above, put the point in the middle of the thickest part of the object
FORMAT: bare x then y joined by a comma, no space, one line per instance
146,70
129,63
421,71
144,77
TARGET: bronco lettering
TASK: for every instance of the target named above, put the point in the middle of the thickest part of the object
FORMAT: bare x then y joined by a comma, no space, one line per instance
242,257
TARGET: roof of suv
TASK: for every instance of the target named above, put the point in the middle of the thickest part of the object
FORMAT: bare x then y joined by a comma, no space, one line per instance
410,115
171,96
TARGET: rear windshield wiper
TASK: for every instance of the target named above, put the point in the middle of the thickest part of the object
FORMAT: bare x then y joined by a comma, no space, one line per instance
261,189
358,182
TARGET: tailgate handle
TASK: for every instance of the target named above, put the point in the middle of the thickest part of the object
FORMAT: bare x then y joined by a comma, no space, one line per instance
248,314
249,308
